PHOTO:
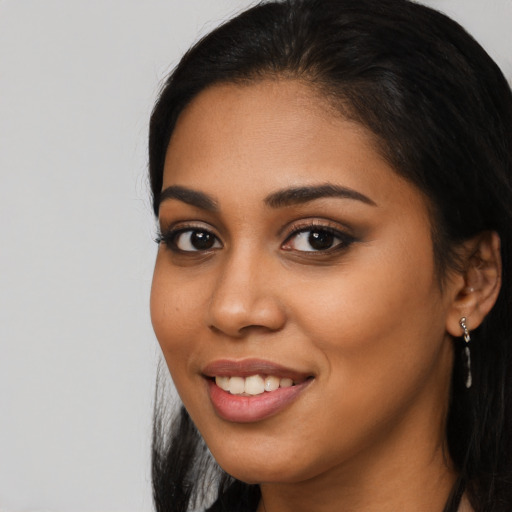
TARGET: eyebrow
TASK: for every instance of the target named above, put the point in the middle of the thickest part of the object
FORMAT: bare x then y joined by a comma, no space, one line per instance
279,199
299,195
189,196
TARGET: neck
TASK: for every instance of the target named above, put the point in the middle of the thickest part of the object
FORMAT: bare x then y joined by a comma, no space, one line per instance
413,484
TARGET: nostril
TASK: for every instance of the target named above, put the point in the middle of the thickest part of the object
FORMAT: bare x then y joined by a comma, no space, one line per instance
255,310
244,331
214,329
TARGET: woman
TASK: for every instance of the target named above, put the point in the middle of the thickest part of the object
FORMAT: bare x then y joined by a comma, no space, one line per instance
332,291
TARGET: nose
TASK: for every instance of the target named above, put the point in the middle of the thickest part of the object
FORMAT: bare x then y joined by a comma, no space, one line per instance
245,299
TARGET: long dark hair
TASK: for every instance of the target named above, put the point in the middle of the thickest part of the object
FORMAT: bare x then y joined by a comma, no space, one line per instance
441,113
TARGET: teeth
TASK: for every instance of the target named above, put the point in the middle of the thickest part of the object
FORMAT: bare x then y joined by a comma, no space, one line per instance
236,385
222,382
253,385
271,383
286,383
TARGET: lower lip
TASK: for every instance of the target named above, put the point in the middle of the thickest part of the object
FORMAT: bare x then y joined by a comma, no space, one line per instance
248,409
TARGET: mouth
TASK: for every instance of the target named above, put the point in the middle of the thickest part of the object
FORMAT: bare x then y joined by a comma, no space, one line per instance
252,390
253,385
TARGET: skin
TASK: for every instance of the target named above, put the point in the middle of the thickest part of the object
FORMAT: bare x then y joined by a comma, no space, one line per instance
367,319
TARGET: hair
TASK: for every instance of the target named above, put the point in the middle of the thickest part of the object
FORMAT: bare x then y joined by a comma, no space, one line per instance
441,113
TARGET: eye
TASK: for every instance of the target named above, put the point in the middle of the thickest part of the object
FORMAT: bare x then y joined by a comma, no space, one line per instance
196,240
190,240
316,239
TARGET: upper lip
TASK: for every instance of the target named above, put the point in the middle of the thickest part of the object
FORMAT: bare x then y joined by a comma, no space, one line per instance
248,367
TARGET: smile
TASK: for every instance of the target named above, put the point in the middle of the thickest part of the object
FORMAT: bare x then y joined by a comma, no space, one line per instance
252,385
252,390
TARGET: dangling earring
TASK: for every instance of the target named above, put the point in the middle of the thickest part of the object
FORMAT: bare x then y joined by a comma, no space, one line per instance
467,339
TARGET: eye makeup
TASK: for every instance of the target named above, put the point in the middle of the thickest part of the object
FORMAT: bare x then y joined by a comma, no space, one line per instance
307,237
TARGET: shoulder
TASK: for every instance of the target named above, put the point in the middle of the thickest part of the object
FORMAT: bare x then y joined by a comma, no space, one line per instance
464,506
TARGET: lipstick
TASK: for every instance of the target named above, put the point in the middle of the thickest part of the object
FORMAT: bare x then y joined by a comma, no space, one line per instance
244,408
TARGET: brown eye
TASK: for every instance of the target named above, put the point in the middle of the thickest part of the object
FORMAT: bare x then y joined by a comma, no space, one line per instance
316,240
195,240
320,240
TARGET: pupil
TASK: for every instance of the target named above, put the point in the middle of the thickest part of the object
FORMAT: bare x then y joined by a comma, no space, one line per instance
321,240
202,240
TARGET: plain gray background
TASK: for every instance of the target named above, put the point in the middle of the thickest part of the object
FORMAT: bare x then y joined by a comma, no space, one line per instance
78,356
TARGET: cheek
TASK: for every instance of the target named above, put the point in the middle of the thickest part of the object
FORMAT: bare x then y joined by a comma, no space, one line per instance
177,308
378,318
378,329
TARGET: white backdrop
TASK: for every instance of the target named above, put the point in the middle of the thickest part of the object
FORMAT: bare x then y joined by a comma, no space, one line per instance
78,356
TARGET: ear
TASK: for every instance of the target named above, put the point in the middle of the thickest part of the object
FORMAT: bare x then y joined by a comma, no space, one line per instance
476,288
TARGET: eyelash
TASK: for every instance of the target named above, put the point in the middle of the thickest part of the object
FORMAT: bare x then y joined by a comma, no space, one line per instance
344,240
169,236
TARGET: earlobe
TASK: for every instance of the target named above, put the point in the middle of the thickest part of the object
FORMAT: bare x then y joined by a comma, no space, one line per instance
479,284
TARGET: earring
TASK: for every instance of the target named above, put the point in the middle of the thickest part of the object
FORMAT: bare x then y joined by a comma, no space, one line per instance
467,339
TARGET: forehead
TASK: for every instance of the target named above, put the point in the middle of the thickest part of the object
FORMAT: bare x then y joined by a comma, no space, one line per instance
283,113
274,134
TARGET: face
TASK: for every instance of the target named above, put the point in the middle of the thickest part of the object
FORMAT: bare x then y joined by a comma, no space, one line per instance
295,297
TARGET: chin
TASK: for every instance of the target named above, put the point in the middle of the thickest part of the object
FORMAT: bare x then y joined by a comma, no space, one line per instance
258,474
257,468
